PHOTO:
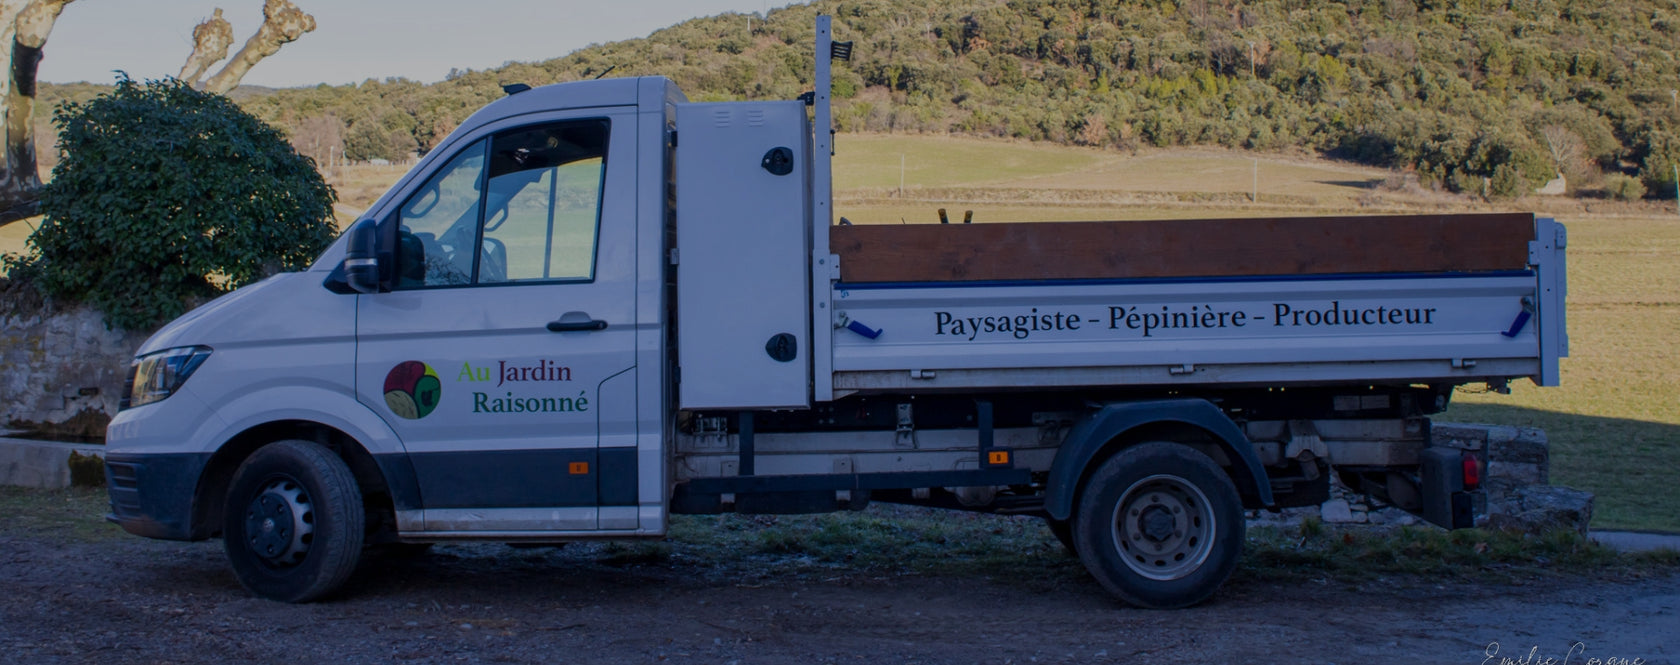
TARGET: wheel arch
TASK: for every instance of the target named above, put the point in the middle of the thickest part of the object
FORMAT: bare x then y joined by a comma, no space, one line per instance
1197,423
378,495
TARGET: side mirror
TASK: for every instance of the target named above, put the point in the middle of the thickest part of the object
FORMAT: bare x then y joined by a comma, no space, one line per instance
361,257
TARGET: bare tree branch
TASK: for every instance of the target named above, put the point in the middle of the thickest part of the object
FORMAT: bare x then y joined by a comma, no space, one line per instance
283,23
211,40
1566,148
35,22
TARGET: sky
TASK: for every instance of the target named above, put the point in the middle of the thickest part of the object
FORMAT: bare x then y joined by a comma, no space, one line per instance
355,40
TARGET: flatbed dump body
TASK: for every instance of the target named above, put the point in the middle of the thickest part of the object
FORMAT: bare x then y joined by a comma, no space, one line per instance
1286,301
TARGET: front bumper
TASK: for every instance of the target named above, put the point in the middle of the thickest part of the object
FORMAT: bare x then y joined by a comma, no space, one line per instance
152,494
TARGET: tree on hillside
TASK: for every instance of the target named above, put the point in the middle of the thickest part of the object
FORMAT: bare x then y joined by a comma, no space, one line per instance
1566,149
320,138
1448,94
25,25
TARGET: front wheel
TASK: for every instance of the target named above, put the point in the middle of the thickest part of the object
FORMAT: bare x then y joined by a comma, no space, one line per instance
1159,525
293,524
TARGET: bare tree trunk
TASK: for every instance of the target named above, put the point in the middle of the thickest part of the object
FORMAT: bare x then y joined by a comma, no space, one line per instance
24,26
211,40
283,23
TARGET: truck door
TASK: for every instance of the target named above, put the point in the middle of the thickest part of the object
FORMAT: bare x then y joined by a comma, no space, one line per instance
503,356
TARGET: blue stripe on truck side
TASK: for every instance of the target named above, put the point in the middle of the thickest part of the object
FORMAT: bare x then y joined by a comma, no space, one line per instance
873,286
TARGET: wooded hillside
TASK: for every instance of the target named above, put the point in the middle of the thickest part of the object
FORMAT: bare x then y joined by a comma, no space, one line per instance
1476,96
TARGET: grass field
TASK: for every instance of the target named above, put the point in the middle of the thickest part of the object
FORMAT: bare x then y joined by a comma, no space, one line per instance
1008,181
1615,422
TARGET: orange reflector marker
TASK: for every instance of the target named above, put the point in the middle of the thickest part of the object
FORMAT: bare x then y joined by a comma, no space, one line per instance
578,468
997,457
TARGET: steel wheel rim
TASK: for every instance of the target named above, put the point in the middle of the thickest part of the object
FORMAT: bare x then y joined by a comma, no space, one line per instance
280,523
1163,527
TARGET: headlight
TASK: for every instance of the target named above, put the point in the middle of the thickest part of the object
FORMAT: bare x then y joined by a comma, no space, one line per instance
154,376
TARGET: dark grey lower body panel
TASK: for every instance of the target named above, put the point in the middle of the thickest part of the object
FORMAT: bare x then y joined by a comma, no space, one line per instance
514,478
152,495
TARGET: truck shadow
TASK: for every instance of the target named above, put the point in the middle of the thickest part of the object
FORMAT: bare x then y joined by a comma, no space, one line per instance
726,558
1626,463
1568,431
1355,184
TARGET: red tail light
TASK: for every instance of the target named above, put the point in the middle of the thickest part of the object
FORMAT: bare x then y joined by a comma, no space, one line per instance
1472,472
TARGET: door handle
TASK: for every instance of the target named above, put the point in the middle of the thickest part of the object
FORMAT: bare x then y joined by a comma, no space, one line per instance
576,325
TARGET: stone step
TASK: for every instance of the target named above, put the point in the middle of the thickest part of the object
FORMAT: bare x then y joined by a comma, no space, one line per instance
45,464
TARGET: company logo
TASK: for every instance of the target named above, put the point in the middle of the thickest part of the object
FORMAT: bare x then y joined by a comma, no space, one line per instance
412,390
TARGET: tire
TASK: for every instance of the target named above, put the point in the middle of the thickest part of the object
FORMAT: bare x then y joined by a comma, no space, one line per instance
1159,525
1063,531
293,526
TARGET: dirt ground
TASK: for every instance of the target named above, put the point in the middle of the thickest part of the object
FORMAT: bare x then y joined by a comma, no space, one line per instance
122,599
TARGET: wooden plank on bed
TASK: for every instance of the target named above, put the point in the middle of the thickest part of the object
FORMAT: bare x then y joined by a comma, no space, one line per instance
1183,248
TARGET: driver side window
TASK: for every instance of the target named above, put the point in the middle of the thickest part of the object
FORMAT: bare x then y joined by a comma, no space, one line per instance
439,224
523,205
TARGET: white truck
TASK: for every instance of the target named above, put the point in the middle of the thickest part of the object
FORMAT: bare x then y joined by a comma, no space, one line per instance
596,304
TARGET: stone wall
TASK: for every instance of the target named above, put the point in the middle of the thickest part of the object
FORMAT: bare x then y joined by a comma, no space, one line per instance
1517,456
1519,493
60,366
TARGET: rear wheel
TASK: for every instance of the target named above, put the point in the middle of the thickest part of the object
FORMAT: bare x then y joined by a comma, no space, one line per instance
293,525
1159,525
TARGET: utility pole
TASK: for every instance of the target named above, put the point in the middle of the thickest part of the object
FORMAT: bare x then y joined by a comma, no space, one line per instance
1251,59
901,175
1255,196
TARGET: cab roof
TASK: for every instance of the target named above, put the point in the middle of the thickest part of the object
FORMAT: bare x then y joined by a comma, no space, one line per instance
648,92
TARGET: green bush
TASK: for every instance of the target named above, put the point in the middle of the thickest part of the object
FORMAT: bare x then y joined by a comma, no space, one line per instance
1657,169
1623,187
1465,182
1508,183
166,196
